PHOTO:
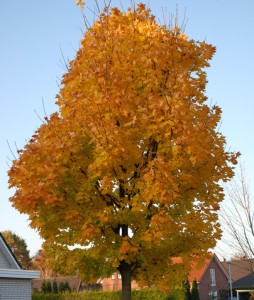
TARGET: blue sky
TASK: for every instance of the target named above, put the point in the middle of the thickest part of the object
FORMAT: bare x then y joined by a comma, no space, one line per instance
34,33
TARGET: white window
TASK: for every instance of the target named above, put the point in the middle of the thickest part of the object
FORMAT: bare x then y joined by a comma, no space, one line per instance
213,295
119,276
212,277
113,276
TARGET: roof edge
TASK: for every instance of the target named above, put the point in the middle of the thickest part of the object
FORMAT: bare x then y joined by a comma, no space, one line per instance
21,274
214,256
7,250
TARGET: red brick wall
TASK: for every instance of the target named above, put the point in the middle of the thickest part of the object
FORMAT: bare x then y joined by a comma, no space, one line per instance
110,284
205,285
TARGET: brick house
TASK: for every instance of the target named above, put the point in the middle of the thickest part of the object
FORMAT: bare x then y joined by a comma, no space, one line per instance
242,273
239,268
15,283
114,283
212,278
73,281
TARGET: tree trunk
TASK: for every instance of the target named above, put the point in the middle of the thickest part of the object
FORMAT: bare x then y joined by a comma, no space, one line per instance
125,271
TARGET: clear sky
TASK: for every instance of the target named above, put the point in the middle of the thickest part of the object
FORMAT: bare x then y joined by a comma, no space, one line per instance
34,35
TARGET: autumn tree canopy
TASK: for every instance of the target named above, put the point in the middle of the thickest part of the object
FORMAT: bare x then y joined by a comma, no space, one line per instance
129,168
43,262
19,248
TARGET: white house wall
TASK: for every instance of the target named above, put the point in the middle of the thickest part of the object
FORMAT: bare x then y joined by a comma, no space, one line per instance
15,283
15,289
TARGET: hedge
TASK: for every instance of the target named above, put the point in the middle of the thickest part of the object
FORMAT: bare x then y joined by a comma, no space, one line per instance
136,295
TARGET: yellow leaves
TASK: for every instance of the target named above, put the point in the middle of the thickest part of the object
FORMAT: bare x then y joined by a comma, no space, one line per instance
127,248
208,50
80,3
161,217
115,11
89,232
134,145
71,214
147,237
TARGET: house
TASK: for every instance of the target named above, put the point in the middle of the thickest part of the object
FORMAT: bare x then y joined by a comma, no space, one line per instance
242,274
15,283
244,286
114,283
239,268
245,282
212,279
74,282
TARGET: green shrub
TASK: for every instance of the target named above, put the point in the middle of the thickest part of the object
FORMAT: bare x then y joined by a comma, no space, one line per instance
44,286
40,296
146,294
49,287
66,287
194,291
149,294
93,296
186,290
61,287
55,287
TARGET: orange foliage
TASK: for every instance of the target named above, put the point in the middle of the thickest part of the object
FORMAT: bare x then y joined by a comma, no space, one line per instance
129,168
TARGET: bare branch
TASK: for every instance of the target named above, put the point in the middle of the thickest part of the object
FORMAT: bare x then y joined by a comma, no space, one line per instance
237,216
11,149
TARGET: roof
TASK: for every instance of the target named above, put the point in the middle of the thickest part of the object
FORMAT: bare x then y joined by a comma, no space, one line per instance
246,281
17,273
8,254
239,268
15,270
198,270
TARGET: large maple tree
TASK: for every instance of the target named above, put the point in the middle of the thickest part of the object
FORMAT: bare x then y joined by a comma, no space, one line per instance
129,170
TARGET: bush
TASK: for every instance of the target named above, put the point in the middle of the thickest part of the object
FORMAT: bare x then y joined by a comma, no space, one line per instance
49,287
146,294
61,287
40,296
44,286
186,290
55,287
66,287
194,291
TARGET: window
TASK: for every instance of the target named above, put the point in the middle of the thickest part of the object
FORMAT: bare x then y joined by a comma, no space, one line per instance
119,276
213,295
113,276
212,277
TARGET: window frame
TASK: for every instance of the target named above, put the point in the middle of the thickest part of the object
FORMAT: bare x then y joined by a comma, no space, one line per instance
212,277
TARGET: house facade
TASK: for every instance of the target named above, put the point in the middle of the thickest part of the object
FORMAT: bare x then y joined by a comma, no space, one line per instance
74,282
212,278
239,268
15,283
114,283
242,274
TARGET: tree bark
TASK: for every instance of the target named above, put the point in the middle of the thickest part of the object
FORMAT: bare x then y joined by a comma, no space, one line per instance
125,271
